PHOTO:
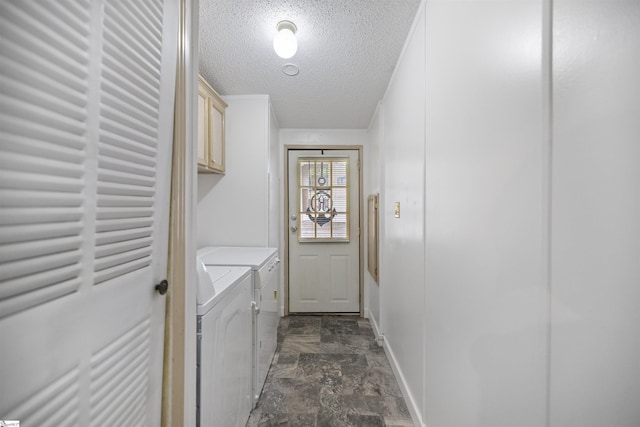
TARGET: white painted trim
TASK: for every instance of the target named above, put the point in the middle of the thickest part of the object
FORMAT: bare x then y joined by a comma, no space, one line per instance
376,329
546,180
375,112
408,397
382,228
272,111
285,182
425,314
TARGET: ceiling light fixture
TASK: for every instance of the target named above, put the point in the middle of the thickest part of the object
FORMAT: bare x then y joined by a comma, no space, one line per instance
285,43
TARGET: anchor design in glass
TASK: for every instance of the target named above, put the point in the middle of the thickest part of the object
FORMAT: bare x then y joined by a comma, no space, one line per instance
323,199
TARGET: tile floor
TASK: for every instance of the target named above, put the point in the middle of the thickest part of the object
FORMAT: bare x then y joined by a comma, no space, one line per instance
328,371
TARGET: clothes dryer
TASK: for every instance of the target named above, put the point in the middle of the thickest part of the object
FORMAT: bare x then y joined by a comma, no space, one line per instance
264,264
224,346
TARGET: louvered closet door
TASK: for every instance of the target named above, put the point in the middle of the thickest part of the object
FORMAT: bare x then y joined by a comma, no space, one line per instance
86,124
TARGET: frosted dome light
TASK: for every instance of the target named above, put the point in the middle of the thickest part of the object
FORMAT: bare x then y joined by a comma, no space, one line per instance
285,43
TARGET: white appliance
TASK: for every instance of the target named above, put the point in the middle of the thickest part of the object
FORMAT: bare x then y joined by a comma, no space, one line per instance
264,263
225,327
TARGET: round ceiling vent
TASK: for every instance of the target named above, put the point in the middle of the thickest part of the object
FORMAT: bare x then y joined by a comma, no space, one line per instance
290,69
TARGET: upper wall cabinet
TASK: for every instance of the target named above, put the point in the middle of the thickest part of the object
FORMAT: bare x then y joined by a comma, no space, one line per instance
210,129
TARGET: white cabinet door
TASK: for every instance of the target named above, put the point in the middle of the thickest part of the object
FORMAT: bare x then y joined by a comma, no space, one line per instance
86,124
324,245
203,138
216,135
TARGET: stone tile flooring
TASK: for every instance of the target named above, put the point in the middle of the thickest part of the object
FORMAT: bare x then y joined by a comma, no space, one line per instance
328,371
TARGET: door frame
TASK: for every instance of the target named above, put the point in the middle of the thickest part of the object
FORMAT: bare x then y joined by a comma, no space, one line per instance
285,230
179,371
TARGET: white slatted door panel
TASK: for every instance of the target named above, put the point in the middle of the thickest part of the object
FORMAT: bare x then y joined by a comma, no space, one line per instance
44,97
128,220
119,379
43,139
86,91
55,405
127,147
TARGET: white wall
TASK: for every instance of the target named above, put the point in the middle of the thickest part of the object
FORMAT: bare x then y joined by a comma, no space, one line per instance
233,209
322,137
530,137
486,304
595,223
402,270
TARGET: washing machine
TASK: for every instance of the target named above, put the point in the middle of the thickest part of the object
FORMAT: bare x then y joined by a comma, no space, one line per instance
224,346
264,264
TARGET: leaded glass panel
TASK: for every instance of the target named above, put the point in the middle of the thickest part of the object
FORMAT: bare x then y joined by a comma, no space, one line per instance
323,199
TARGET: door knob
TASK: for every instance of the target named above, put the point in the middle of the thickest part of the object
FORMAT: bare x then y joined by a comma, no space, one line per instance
293,217
255,308
294,228
162,287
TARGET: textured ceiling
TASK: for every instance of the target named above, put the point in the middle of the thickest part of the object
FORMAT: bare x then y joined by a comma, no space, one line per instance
347,50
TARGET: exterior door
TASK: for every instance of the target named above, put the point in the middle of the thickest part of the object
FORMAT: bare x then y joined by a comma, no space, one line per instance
86,123
324,231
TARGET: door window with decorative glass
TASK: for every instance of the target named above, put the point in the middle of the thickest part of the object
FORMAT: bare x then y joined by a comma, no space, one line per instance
323,199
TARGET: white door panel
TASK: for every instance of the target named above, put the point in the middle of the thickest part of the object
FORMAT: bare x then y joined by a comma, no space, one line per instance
86,121
324,269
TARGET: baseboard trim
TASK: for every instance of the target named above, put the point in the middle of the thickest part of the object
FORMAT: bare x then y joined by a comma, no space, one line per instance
408,397
376,329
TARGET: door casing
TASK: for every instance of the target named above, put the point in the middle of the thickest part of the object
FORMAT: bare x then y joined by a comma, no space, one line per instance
285,223
179,373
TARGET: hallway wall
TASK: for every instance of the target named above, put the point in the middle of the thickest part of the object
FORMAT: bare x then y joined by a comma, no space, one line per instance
486,300
525,312
595,221
402,255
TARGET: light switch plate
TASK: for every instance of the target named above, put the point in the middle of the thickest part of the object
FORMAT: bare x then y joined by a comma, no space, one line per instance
396,209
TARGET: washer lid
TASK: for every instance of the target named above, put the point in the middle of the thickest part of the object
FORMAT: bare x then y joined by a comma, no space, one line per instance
254,257
214,282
